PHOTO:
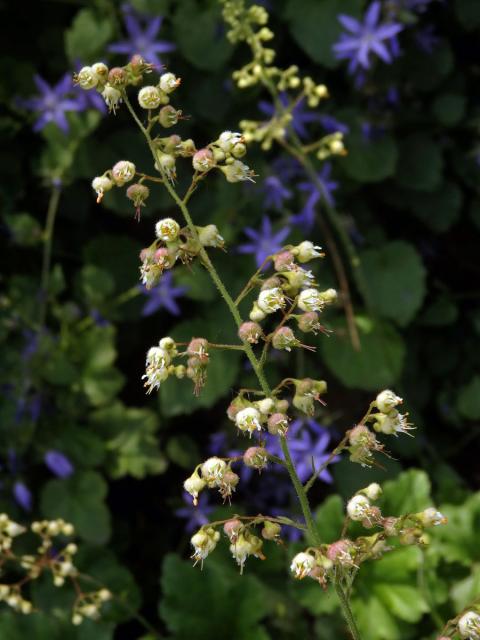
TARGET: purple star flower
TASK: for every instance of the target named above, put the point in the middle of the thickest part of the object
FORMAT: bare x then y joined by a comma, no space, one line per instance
427,39
308,442
264,242
301,115
368,37
163,296
142,37
22,495
53,102
306,218
275,193
58,463
332,125
286,168
196,517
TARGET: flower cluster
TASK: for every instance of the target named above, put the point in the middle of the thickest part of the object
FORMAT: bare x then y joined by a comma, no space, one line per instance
51,555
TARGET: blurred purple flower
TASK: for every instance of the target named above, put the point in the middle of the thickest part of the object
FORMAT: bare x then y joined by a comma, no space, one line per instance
264,242
275,193
163,296
301,115
142,32
372,131
306,218
195,516
332,125
308,442
368,37
58,463
286,168
426,38
217,443
31,344
52,102
98,319
22,495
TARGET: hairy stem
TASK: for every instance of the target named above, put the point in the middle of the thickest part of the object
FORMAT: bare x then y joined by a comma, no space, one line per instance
47,252
347,612
205,258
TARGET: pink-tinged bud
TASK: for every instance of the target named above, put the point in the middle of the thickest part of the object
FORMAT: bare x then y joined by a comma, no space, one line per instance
168,116
309,323
172,144
228,484
372,518
341,552
122,172
282,406
232,528
284,338
278,424
271,283
232,411
250,332
117,77
146,254
198,347
305,386
283,260
256,458
138,193
203,160
139,65
361,435
391,526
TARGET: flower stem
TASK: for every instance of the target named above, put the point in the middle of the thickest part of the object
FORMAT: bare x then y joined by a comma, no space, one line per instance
205,258
347,612
47,252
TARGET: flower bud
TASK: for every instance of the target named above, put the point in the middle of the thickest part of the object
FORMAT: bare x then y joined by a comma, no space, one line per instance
271,530
392,423
198,347
86,78
246,545
122,172
283,260
204,542
203,160
284,338
193,485
387,400
117,77
138,193
101,184
248,420
100,69
278,424
149,98
239,150
373,491
250,332
469,625
256,314
210,237
168,82
431,517
301,565
256,458
168,116
358,508
308,322
237,172
232,528
271,300
228,139
167,230
342,552
213,470
310,300
306,251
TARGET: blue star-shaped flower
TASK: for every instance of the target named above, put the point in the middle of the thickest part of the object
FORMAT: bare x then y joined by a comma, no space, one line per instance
306,218
275,193
163,296
142,38
197,516
264,242
365,38
53,102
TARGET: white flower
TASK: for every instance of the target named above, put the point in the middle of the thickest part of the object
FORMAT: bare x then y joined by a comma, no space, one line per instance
213,470
248,420
193,485
168,82
392,423
167,229
469,626
387,400
204,542
100,69
302,564
306,251
228,139
100,185
86,78
310,300
244,547
156,370
237,172
265,406
123,171
256,314
373,491
210,237
112,97
149,98
432,518
271,300
168,344
358,507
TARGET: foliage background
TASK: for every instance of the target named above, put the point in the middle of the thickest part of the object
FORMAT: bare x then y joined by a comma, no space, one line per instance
409,199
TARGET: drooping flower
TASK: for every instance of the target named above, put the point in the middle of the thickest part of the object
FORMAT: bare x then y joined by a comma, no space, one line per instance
53,102
58,463
264,242
142,32
163,296
306,217
367,38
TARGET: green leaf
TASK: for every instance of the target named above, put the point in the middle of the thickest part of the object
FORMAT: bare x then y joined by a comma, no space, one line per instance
420,164
329,518
379,362
88,35
457,541
468,401
466,591
118,255
449,108
96,283
409,493
427,72
197,281
396,278
440,209
315,26
370,160
25,230
193,42
441,312
189,593
79,500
